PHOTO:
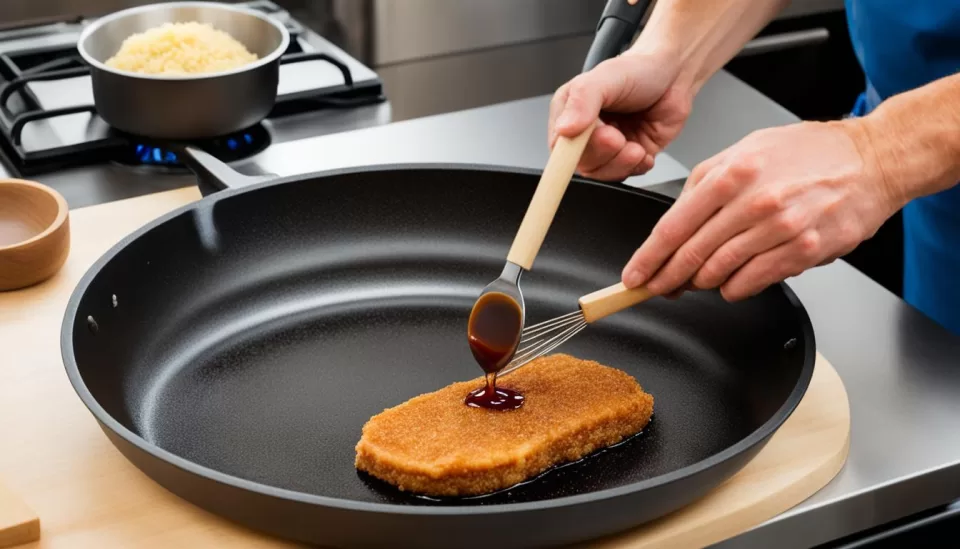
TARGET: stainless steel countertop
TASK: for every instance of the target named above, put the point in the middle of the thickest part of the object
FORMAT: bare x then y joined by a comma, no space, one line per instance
902,372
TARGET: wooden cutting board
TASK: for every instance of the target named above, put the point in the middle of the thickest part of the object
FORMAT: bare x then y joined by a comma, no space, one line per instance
18,523
56,459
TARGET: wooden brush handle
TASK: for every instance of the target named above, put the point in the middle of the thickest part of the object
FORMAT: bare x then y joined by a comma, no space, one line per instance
553,183
610,300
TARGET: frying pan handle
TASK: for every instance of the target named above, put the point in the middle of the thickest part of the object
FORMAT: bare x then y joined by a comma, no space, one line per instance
612,299
212,174
546,199
617,26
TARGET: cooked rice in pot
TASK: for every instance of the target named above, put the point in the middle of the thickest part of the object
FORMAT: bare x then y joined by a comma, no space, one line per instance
181,48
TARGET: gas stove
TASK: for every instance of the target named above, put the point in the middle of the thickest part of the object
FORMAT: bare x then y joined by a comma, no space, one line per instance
50,132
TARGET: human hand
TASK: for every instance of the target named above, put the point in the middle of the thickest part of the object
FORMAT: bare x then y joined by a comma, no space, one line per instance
776,203
641,108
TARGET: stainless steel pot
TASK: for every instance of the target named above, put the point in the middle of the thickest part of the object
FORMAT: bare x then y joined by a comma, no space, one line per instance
191,106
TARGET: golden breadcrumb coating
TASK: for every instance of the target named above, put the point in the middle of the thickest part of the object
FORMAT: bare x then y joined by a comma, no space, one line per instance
435,445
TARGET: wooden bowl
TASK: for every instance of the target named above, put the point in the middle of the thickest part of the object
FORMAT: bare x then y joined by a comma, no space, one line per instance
34,233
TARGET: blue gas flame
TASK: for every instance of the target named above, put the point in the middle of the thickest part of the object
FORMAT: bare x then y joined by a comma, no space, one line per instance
148,154
238,146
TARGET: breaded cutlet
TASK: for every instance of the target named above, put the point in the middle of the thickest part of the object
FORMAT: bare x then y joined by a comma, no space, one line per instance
435,445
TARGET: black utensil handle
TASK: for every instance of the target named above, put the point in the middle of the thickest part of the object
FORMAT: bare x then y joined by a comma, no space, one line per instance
216,174
618,23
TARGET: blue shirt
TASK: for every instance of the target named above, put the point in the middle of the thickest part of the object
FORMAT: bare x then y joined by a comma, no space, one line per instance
902,45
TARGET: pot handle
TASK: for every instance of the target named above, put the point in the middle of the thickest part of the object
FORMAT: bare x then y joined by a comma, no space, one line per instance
617,26
214,175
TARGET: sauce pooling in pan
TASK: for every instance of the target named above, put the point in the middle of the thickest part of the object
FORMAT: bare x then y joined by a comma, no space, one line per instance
493,332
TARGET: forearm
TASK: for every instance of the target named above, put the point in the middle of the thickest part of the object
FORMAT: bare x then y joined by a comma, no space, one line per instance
703,35
914,139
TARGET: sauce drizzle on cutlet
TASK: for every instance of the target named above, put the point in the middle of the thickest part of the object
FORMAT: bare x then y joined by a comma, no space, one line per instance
494,398
493,331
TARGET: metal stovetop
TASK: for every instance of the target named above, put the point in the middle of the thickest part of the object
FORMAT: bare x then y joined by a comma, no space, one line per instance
89,163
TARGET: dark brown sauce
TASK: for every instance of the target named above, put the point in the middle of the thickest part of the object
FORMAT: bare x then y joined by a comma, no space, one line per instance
492,397
493,332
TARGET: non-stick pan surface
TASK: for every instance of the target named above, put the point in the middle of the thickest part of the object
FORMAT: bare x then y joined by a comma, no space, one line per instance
234,349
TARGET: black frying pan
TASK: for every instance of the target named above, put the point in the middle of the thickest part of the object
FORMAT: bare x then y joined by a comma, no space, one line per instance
234,348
